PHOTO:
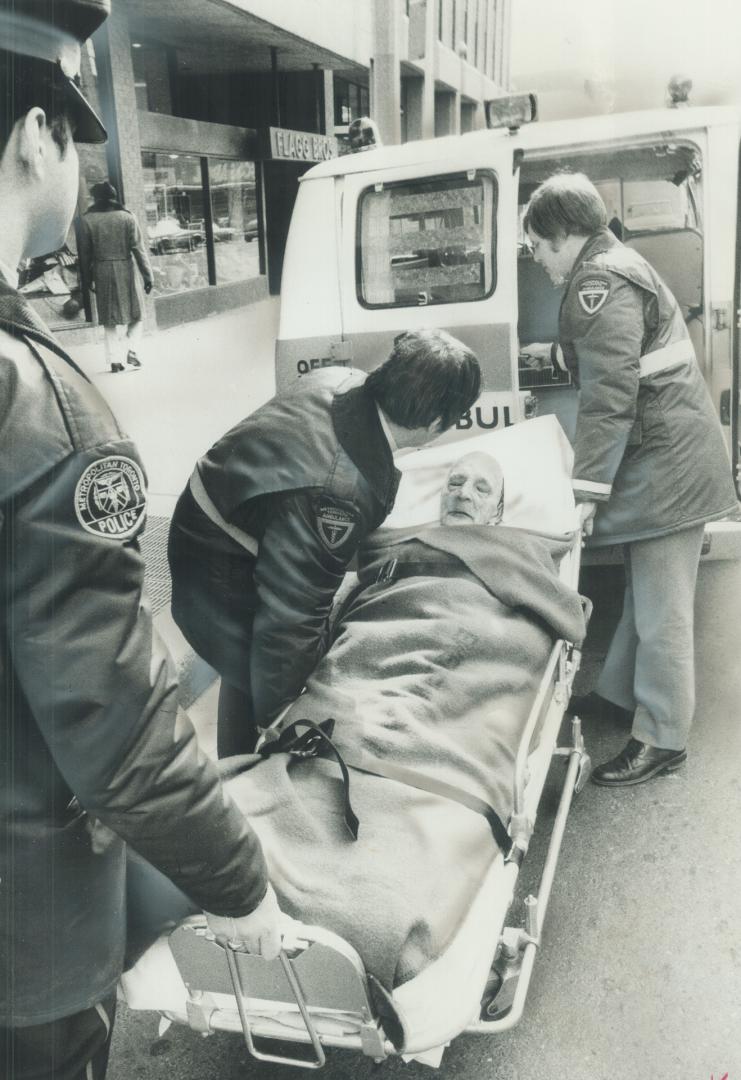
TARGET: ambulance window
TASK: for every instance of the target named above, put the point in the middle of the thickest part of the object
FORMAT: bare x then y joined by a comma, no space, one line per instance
427,242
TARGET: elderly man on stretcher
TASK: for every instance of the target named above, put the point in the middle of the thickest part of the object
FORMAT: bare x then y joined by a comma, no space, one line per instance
383,793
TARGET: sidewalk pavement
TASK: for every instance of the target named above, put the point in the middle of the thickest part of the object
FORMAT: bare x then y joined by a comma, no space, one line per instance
196,381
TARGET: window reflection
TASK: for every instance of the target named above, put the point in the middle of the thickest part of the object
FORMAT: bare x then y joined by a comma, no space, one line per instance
428,242
175,228
234,209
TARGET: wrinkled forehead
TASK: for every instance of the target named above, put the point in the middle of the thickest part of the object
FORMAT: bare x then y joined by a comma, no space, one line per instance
478,466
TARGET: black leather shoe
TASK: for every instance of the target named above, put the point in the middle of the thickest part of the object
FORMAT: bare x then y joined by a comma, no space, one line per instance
132,359
592,706
636,763
115,368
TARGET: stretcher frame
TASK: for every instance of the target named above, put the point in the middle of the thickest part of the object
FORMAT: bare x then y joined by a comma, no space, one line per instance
317,992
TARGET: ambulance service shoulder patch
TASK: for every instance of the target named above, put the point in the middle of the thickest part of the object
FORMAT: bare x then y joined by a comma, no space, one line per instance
592,292
111,498
335,523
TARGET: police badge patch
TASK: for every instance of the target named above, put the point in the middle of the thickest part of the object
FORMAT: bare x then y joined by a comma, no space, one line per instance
335,523
592,292
111,498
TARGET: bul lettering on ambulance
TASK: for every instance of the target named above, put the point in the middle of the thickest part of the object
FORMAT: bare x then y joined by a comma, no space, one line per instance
484,419
335,524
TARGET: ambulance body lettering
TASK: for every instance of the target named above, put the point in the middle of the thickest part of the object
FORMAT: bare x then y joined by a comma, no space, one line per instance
429,234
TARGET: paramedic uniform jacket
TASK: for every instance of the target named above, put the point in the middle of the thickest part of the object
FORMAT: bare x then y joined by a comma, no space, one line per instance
648,444
308,475
87,700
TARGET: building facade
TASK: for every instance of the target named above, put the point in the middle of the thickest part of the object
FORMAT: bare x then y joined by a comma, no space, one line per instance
215,108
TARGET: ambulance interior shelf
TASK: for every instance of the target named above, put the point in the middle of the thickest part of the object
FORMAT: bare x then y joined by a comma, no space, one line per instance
652,197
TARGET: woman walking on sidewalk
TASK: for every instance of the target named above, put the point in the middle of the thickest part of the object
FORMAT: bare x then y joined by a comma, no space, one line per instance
111,240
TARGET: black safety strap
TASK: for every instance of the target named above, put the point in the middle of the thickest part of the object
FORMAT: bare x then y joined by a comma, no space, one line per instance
392,770
316,738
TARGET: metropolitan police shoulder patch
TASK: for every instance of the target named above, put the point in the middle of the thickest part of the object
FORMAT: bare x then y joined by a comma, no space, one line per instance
335,522
592,292
111,498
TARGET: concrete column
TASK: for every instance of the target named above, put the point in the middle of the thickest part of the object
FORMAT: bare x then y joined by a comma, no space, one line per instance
385,72
328,102
123,124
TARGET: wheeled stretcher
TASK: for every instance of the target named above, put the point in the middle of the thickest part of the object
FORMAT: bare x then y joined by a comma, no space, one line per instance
318,992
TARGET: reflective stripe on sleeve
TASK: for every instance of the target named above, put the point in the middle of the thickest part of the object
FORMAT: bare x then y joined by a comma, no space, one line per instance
679,352
591,489
201,496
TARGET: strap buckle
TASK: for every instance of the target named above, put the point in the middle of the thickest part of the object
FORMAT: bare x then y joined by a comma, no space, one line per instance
307,745
387,571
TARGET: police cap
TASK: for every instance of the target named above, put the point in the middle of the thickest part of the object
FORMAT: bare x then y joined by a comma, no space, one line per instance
51,32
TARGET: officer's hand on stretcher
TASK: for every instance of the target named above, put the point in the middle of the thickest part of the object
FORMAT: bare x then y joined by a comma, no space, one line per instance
587,510
258,932
536,355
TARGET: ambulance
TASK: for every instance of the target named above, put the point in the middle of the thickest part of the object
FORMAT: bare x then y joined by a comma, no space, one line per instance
429,234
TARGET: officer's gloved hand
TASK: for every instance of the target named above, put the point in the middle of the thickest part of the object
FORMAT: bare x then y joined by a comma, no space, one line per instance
258,932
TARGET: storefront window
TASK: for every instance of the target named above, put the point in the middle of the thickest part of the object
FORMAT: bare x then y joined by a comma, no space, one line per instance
175,228
51,283
351,100
234,209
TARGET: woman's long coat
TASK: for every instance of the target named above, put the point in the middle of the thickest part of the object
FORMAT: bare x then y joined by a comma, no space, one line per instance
111,242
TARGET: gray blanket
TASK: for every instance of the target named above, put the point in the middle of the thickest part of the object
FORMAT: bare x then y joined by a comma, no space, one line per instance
434,672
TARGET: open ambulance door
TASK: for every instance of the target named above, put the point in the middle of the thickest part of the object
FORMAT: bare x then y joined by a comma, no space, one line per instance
669,196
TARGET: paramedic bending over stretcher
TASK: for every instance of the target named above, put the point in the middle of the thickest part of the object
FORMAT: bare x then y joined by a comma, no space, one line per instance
273,513
650,464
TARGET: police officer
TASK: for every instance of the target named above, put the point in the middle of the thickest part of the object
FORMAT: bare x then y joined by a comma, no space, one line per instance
89,726
275,510
650,463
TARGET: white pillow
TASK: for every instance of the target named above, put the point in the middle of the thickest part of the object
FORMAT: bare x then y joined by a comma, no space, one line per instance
536,459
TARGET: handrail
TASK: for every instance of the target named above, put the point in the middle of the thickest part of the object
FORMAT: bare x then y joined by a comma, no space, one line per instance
300,1001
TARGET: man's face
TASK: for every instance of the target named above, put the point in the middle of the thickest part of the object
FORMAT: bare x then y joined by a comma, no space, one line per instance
55,192
472,492
555,256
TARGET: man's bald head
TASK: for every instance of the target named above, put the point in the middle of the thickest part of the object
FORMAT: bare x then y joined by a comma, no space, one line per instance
474,491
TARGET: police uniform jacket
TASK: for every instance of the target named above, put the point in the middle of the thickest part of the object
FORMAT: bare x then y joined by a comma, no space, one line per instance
89,726
307,477
648,444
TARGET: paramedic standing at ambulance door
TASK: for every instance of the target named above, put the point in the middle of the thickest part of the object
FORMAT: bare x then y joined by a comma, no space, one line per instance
89,723
274,512
650,463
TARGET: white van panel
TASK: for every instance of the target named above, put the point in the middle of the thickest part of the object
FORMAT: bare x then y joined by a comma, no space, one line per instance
310,299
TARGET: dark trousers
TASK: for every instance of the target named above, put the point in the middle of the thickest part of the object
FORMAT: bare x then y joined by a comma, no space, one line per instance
236,730
213,603
73,1048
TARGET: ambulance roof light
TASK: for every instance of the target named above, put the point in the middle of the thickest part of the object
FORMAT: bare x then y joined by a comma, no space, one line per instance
363,134
511,111
678,91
